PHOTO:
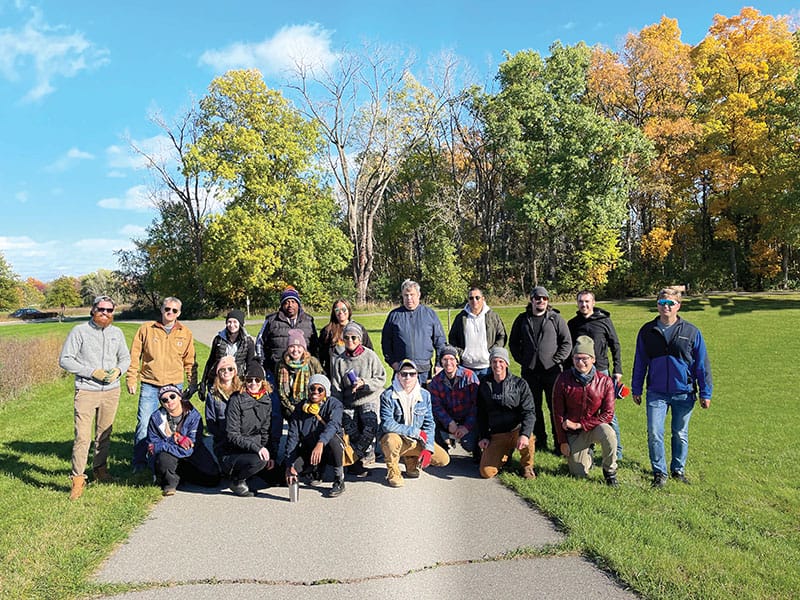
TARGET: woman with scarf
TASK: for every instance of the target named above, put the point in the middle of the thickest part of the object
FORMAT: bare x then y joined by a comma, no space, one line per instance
249,447
293,372
408,427
331,340
234,341
174,437
358,378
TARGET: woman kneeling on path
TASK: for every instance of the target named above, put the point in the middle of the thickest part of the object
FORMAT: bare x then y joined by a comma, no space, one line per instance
175,441
248,448
315,436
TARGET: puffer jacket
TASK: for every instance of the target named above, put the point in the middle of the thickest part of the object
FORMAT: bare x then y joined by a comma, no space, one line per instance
515,408
305,429
590,405
192,427
273,339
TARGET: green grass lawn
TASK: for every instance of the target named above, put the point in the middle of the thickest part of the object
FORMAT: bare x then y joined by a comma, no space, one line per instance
735,531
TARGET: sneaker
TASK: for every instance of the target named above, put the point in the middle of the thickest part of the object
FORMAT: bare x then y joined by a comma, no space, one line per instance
611,478
528,473
169,491
240,489
659,480
680,477
337,489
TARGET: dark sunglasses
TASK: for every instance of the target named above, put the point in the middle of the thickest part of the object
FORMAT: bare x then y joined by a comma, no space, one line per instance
168,397
316,389
253,380
169,309
228,369
340,310
407,374
474,298
351,337
666,302
537,298
100,309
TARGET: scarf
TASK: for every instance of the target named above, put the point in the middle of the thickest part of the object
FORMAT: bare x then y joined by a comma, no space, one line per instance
584,378
357,352
294,378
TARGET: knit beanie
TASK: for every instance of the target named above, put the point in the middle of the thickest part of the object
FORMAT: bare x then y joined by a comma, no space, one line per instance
297,338
353,329
499,352
254,369
290,293
169,389
238,315
449,351
540,292
584,345
320,379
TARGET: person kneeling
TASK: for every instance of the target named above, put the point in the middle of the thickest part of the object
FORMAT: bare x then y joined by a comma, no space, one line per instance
407,423
174,435
315,435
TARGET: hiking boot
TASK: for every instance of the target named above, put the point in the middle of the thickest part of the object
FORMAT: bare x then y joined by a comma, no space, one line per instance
611,478
168,491
659,480
527,473
412,468
337,489
78,485
240,489
102,475
680,477
358,469
393,476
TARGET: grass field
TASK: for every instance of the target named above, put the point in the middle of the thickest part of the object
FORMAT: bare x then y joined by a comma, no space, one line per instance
734,532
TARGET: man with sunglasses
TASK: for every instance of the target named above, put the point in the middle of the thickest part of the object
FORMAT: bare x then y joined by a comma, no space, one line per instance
671,355
97,354
162,353
477,330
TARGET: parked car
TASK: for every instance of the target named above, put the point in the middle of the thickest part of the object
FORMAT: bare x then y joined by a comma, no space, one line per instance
32,313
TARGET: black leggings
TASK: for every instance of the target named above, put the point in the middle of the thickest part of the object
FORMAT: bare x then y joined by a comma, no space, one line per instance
198,468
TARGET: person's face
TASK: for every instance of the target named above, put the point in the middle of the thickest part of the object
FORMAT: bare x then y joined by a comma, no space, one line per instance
103,314
342,314
411,298
449,364
172,402
499,369
539,303
408,379
295,352
583,362
253,384
170,312
233,325
316,393
668,308
226,374
290,307
586,305
351,342
476,301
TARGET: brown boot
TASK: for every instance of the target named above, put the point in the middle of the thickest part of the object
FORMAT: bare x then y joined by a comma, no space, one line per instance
78,484
412,468
528,473
102,475
393,475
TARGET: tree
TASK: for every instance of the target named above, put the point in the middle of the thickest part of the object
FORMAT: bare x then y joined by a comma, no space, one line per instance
31,292
9,281
101,282
64,290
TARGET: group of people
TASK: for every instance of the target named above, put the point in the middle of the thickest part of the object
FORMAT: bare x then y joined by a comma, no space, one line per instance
327,391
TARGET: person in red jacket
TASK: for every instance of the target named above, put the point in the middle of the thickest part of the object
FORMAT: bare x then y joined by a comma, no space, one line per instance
583,406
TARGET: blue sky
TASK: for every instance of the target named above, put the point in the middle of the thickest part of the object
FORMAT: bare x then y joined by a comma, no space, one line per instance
78,81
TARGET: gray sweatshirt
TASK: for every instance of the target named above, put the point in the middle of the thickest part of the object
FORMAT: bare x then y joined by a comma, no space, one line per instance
88,347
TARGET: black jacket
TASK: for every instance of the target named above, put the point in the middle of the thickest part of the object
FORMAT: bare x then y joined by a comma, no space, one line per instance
273,339
514,409
552,346
305,429
600,328
248,424
245,352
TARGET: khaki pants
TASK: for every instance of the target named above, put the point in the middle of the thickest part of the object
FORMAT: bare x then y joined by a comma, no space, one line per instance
580,458
397,446
501,447
102,408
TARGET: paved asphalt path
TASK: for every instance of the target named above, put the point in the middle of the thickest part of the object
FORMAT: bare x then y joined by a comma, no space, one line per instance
447,534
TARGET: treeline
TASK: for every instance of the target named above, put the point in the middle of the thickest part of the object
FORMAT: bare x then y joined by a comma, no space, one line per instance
620,171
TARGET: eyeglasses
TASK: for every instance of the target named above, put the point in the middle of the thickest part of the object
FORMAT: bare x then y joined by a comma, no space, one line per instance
540,298
224,369
100,309
168,397
249,380
666,302
583,359
169,309
474,298
407,374
340,310
316,389
350,337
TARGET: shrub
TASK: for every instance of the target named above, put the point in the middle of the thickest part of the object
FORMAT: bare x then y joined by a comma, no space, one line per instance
27,362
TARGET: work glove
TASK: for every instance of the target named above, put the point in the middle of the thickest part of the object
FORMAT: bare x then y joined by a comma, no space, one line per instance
425,459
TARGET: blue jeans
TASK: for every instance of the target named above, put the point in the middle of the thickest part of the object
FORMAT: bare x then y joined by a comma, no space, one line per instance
681,406
148,404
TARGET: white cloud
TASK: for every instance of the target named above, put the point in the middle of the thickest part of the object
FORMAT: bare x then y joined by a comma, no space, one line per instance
308,44
158,147
72,156
570,25
132,231
135,198
45,53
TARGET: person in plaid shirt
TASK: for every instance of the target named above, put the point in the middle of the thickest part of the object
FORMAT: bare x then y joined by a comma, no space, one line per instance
454,396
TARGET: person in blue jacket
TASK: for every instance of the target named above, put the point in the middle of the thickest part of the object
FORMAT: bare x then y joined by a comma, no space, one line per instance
175,443
671,353
412,331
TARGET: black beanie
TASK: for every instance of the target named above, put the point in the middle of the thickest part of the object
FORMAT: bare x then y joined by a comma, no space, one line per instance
238,315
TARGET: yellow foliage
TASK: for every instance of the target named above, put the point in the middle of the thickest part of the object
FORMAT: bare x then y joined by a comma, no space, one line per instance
765,260
656,244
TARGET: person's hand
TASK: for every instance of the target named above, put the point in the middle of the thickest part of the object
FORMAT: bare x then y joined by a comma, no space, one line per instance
565,449
523,441
99,374
190,392
112,375
571,425
131,385
270,464
316,454
461,431
425,459
358,385
201,391
151,449
705,402
637,399
184,442
263,454
483,444
452,426
618,377
291,475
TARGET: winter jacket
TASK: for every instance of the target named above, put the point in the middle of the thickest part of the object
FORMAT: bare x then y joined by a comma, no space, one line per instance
243,351
273,339
248,425
89,347
599,327
457,400
192,427
551,347
680,367
495,331
514,409
413,334
305,429
422,419
160,358
329,350
590,405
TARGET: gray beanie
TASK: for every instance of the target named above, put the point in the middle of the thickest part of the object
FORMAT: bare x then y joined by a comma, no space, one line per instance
320,379
353,329
584,345
450,351
499,352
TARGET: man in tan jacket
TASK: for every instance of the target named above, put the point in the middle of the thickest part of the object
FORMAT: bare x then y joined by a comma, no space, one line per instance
162,353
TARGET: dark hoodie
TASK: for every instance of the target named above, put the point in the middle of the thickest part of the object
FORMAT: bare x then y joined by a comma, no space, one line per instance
599,327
